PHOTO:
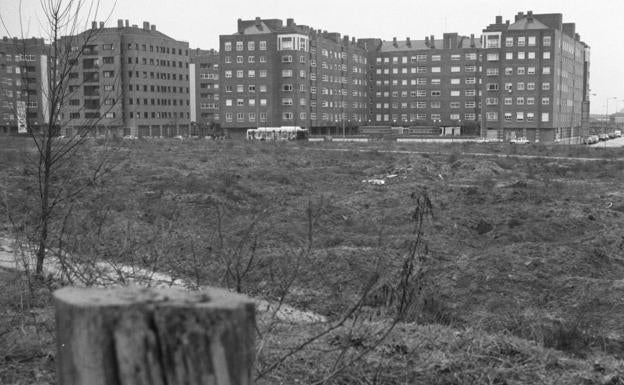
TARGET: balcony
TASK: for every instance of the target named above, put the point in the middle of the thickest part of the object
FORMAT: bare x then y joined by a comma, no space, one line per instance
91,77
90,50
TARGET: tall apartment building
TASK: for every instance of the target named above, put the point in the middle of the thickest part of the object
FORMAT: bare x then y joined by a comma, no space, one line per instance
128,80
204,81
536,79
23,84
424,82
291,75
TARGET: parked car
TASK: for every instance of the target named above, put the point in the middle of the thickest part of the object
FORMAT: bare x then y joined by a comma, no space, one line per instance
521,140
611,135
618,133
603,136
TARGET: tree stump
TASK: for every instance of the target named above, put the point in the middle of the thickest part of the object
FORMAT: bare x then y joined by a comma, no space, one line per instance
139,336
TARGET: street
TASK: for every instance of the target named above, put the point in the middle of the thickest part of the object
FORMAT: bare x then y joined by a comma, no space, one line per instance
617,142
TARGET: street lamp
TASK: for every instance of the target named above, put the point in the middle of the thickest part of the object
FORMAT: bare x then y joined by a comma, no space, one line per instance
607,112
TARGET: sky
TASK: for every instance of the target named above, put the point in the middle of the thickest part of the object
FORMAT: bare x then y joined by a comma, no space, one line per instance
599,22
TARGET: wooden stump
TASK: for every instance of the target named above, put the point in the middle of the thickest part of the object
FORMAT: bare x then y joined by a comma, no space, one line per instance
138,336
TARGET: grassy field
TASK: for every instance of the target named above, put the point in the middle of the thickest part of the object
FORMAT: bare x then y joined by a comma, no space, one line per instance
524,264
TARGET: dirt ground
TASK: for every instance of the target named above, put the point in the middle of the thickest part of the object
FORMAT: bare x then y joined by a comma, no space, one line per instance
527,253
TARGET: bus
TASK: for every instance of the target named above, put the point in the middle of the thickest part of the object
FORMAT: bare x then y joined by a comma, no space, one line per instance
277,133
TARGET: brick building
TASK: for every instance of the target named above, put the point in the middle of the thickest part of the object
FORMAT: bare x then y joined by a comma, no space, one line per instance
128,81
291,75
424,82
536,79
23,84
204,83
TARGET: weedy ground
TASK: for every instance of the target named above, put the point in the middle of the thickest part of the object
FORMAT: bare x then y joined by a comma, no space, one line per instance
525,275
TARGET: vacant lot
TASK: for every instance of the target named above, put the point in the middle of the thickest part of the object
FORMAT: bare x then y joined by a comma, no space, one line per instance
526,247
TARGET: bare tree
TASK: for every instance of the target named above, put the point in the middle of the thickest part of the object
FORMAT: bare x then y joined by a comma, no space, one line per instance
65,23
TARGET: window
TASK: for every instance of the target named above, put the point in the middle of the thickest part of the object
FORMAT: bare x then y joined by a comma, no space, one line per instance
251,59
421,81
471,56
530,116
435,69
469,116
251,73
239,59
287,116
509,42
520,86
287,73
107,47
530,101
520,100
251,45
492,56
508,101
521,41
455,69
508,86
108,74
455,81
545,117
530,70
435,104
491,71
287,87
520,71
455,105
263,45
508,55
546,70
546,55
228,74
456,57
435,57
263,88
240,73
519,116
251,88
228,59
491,101
531,55
228,102
240,102
108,60
470,104
470,68
508,116
531,41
492,116
471,80
421,58
436,117
240,117
545,86
521,55
436,93
492,86
240,88
545,100
287,59
239,45
287,102
546,43
530,86
263,73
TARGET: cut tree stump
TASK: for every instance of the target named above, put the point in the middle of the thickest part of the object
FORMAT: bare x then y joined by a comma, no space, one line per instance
139,336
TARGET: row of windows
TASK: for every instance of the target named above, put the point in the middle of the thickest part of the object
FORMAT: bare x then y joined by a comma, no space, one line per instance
520,55
530,41
250,59
413,117
520,100
424,81
157,75
18,58
152,88
29,104
423,93
423,58
151,61
144,48
251,45
159,115
521,116
453,105
423,69
158,102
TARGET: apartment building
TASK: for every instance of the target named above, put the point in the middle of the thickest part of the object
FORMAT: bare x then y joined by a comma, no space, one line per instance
425,82
127,81
23,85
204,83
536,79
291,75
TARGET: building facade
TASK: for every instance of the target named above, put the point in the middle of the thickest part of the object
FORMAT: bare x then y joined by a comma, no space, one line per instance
536,79
23,85
204,94
127,81
425,82
290,75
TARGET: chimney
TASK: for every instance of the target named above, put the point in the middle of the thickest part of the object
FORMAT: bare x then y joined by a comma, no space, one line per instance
408,42
472,40
427,41
394,42
146,25
94,25
507,23
499,20
519,16
101,24
353,40
127,23
345,38
153,27
290,22
432,41
258,21
119,23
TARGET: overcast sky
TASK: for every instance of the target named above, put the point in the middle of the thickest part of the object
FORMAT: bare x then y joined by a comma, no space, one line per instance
599,22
